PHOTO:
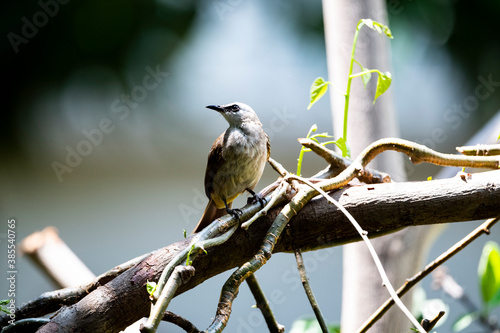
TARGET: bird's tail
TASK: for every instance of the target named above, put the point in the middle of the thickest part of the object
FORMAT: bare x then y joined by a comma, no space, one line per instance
211,213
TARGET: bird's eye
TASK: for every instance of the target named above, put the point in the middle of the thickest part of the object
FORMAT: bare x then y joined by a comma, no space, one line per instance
234,107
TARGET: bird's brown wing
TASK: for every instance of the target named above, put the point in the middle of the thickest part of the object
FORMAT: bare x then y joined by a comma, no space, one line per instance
268,147
215,160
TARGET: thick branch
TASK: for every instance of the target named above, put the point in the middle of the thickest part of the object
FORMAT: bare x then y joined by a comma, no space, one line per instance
379,208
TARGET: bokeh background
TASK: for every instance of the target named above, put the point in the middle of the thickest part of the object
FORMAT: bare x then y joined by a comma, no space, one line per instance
140,73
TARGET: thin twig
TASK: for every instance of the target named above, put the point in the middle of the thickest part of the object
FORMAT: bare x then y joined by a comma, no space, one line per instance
25,325
276,195
429,324
180,275
169,280
378,264
480,150
183,323
307,287
278,167
263,305
339,163
443,280
200,241
409,283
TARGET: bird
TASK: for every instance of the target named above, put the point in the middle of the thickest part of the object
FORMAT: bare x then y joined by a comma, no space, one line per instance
236,161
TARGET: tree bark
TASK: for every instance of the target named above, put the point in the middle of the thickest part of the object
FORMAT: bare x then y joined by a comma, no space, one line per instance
380,209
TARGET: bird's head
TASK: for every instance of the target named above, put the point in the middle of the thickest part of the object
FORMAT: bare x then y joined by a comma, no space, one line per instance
236,113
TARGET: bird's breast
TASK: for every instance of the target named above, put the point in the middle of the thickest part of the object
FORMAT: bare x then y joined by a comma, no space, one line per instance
244,160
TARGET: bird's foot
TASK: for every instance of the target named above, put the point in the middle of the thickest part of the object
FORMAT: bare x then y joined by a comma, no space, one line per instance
236,213
255,197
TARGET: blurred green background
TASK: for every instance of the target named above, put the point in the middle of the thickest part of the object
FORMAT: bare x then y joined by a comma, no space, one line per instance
123,84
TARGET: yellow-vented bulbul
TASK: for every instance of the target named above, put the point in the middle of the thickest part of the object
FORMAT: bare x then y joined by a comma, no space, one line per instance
235,161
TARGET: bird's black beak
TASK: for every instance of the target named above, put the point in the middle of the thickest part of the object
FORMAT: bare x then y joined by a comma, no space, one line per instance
217,108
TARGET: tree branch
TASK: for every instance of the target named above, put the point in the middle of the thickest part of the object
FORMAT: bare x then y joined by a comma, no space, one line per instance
263,305
379,208
183,323
307,288
482,229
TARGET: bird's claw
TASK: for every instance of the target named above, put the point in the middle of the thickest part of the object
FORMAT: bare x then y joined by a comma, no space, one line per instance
255,197
236,213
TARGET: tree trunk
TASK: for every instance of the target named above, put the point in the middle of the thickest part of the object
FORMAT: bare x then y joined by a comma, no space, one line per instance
400,253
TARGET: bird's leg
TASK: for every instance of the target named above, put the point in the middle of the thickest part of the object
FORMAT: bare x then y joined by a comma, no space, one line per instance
255,197
236,213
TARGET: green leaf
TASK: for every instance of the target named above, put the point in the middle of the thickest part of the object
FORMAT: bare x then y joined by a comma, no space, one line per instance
320,135
464,321
333,328
313,128
498,139
318,89
184,233
495,300
378,27
151,287
4,308
489,274
304,325
368,23
383,83
344,148
188,261
365,77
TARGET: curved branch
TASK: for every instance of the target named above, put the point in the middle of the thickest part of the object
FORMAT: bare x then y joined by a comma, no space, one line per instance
183,323
339,163
417,154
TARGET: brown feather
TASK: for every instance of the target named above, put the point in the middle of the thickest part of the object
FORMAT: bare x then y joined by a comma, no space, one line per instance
215,160
268,143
